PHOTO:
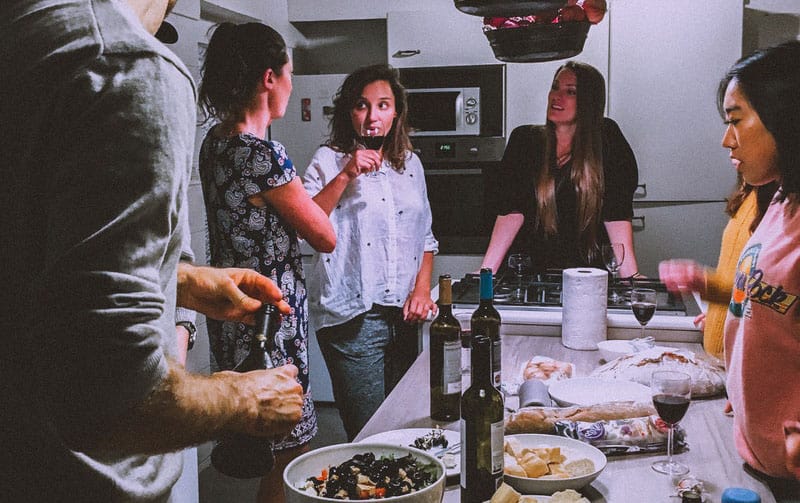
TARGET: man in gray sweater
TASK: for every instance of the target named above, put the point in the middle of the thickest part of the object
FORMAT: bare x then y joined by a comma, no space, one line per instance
97,131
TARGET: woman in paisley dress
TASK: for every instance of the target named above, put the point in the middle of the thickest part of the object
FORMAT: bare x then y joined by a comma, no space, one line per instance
256,206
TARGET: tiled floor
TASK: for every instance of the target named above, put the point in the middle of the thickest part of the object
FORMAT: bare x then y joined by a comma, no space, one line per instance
217,488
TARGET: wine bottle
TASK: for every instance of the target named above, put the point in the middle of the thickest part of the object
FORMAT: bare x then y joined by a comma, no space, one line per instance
486,321
481,428
445,357
237,454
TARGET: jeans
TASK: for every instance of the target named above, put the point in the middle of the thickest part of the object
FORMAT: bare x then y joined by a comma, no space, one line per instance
366,357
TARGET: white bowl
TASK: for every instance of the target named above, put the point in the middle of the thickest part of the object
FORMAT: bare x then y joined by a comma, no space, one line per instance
312,463
572,449
587,391
611,350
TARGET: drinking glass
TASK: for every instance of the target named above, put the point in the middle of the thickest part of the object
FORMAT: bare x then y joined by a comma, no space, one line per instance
672,392
371,136
613,257
520,263
643,304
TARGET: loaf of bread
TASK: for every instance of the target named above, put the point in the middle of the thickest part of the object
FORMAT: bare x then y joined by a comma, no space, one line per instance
708,377
546,369
543,419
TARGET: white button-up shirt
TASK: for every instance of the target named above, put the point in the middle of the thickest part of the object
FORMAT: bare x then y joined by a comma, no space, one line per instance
383,227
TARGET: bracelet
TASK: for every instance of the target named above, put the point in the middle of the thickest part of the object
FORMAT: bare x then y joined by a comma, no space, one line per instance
635,275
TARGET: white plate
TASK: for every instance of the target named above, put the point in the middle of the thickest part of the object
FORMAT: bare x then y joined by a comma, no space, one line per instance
593,390
406,437
572,449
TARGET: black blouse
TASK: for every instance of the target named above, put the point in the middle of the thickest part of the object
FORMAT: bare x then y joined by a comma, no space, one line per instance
524,156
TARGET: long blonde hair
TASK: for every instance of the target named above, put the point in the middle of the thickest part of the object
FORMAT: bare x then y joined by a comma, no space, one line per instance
587,161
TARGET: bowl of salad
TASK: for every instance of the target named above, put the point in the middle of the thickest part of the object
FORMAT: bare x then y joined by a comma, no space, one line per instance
365,471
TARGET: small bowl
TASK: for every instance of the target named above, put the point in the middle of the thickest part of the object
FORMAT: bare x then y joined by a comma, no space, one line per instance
313,462
611,350
572,449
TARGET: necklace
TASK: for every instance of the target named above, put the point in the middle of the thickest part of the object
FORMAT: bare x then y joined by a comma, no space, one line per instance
563,159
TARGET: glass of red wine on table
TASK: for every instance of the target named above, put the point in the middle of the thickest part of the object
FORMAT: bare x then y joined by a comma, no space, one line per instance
643,304
672,392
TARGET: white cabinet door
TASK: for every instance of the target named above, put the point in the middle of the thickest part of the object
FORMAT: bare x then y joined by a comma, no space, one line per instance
666,59
440,37
675,230
336,10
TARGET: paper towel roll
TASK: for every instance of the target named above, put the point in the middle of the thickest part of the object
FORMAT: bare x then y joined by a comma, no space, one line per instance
584,301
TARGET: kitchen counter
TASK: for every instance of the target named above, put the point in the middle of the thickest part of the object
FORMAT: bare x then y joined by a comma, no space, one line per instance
712,456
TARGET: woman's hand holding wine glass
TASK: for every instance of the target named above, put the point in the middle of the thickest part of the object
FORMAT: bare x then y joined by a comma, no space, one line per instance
672,392
613,257
372,136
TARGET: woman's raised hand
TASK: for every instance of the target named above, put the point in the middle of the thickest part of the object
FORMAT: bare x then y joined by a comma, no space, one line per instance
683,275
363,161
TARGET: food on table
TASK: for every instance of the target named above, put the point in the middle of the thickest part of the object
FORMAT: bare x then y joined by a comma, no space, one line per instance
507,494
546,369
431,439
622,436
708,377
365,477
544,419
543,462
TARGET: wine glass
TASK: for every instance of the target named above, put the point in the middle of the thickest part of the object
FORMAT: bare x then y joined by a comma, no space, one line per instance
672,392
613,257
371,136
520,263
643,304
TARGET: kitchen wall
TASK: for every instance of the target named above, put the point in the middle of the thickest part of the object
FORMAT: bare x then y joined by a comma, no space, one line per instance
339,46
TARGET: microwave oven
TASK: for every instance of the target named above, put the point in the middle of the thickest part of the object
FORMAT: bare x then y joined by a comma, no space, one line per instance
446,111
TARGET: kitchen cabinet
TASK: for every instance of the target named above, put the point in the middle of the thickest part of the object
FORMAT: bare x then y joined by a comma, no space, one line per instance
336,10
436,37
666,59
663,231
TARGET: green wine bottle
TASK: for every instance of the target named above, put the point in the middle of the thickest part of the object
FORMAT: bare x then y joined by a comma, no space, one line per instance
445,357
481,428
237,454
486,321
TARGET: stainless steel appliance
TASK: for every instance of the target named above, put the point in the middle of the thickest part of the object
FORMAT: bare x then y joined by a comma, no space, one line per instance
460,160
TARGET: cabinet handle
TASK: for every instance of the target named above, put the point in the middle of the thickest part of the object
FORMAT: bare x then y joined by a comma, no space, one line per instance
639,227
407,53
640,193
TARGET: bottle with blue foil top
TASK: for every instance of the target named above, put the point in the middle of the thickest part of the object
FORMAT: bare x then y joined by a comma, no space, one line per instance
740,495
486,321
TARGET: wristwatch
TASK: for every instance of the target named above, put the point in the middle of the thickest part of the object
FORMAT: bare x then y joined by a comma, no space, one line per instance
189,326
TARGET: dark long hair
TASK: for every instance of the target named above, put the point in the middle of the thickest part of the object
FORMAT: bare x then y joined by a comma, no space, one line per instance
235,61
770,80
343,135
587,160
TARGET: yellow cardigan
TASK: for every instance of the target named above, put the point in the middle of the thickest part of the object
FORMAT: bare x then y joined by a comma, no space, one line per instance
719,282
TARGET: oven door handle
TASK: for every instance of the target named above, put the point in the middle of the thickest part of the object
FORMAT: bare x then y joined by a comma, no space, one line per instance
453,172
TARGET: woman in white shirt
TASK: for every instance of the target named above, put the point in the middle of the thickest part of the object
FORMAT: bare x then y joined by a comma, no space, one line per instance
367,296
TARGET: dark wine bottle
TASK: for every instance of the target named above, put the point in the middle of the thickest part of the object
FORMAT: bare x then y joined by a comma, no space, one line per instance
445,357
237,454
486,321
481,428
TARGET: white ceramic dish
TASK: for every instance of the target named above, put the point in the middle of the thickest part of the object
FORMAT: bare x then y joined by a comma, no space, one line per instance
572,449
313,462
593,390
406,437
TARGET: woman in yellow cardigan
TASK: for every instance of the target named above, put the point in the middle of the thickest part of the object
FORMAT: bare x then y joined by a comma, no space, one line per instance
746,206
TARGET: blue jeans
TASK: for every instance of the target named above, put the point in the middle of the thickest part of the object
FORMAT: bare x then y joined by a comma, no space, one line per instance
366,357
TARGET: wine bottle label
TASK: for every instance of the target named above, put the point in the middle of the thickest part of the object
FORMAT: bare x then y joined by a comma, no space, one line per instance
498,429
451,371
496,359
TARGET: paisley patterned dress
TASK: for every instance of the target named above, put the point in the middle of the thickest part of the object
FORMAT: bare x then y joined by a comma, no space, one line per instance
243,235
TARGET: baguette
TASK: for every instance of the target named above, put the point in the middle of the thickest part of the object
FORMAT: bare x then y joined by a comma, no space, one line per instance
543,419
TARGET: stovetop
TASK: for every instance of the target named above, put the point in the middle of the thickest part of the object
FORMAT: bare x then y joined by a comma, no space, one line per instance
544,290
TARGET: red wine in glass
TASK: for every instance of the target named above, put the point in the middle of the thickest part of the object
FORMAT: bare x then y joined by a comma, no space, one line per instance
373,142
643,311
671,408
